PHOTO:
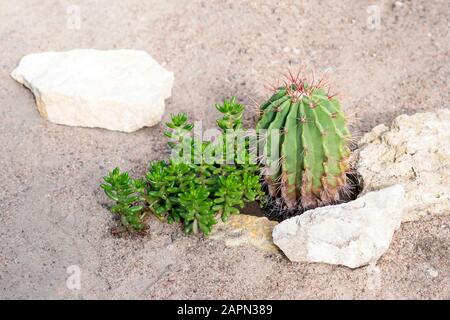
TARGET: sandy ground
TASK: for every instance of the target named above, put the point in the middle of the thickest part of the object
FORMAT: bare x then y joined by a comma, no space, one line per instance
53,215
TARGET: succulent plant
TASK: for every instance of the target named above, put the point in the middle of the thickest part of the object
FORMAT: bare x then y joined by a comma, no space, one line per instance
305,146
182,189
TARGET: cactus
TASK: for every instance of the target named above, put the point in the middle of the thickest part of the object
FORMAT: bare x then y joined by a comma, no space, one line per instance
306,146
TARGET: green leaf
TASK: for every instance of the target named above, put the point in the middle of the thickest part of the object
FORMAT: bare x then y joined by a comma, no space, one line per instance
219,200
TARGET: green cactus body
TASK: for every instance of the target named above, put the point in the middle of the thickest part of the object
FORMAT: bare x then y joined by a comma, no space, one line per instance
307,160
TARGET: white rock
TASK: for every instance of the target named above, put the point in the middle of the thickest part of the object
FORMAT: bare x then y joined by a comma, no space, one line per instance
352,234
414,152
118,89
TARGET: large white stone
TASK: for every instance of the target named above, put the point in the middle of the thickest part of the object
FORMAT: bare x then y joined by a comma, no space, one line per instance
117,89
352,234
414,152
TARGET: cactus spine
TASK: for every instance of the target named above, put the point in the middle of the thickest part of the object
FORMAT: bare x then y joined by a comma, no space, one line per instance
306,146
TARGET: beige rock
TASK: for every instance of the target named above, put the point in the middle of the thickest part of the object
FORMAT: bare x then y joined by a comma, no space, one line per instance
414,152
246,230
117,89
352,234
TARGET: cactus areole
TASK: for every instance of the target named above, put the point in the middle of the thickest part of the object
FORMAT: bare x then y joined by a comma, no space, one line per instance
305,145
